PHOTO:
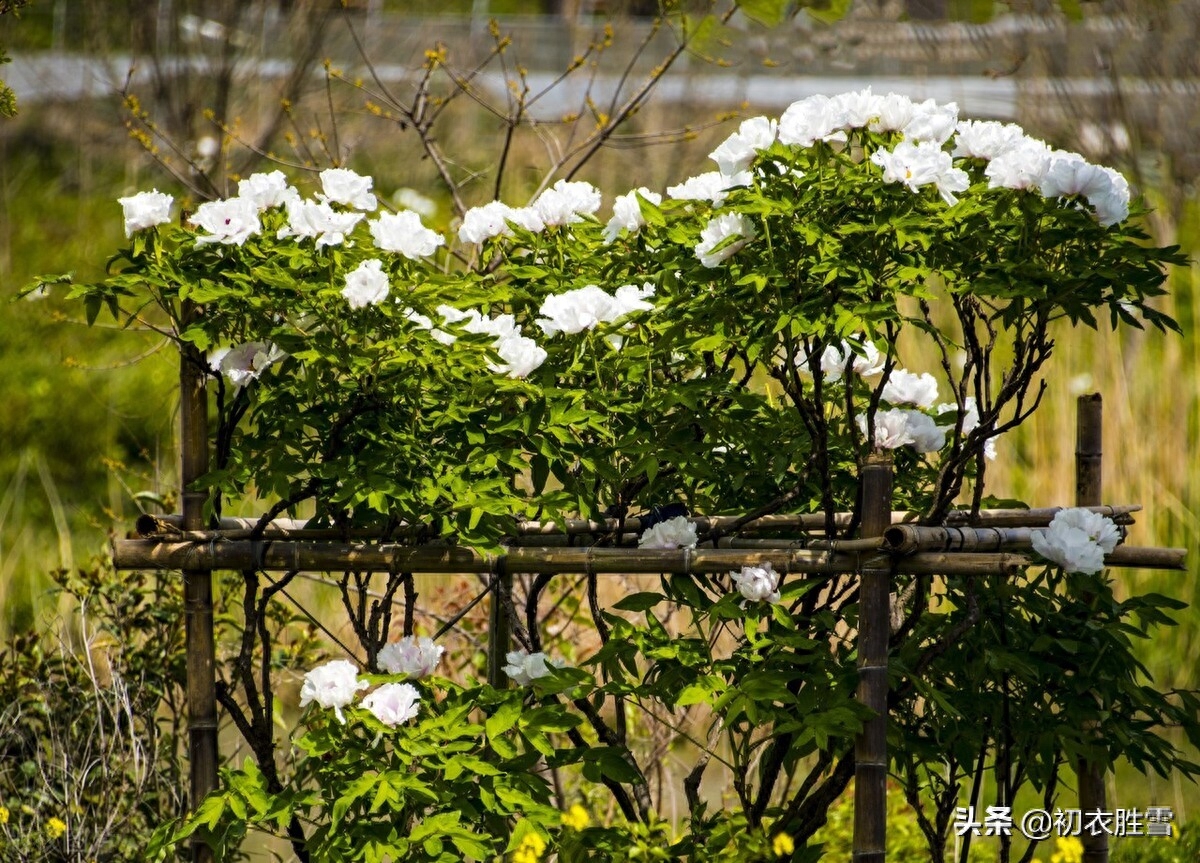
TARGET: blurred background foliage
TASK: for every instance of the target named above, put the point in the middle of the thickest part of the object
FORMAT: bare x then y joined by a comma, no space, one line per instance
88,415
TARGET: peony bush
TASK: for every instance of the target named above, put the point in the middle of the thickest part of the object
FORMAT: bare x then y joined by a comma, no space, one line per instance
733,343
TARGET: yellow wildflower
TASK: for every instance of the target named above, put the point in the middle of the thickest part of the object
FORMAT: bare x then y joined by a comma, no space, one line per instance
55,828
782,845
3,814
1068,849
576,818
530,850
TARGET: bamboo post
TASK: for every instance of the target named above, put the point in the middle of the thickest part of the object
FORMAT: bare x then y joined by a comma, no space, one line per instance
499,629
1088,488
874,629
197,586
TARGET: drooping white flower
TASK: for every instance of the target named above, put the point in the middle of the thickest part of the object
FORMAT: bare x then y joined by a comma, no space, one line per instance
833,361
986,139
718,232
712,186
1071,174
416,657
738,150
1113,206
905,388
393,703
333,684
1021,166
903,427
970,422
631,298
232,221
267,190
817,118
675,532
343,186
523,667
757,583
145,210
931,122
1077,540
245,362
627,213
366,284
921,164
403,232
308,219
566,202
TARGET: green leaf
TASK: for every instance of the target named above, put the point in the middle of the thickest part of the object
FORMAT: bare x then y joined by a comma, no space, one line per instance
766,12
639,601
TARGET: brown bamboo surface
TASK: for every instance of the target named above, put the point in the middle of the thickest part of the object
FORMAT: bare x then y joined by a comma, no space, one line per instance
171,526
910,538
286,555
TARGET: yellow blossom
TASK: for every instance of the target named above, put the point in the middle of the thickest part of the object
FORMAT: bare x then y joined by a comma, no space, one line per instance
576,818
530,850
782,845
55,828
1068,849
3,814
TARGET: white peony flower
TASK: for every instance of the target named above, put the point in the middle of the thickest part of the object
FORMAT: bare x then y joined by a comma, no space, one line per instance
491,220
857,109
343,186
416,657
244,363
902,427
817,118
713,186
403,232
333,684
1077,540
307,219
738,150
904,387
411,199
417,319
267,190
145,210
584,308
921,164
833,361
521,355
719,230
932,123
986,139
627,213
1112,206
1070,174
523,667
366,284
393,703
757,583
232,221
675,532
892,113
565,203
1022,166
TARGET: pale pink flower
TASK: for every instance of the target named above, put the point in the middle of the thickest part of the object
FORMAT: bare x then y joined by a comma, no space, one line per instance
393,703
416,657
333,684
675,532
757,583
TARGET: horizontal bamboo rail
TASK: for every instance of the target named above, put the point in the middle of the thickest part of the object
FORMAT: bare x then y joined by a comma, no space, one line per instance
287,555
910,538
170,526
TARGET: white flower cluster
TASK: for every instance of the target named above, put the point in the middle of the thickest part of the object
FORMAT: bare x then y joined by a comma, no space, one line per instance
523,667
627,213
521,354
675,532
582,309
757,583
724,236
865,360
145,210
564,203
1077,540
713,187
335,684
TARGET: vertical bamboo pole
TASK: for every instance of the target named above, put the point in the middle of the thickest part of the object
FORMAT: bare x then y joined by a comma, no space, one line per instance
874,628
197,585
499,626
1088,491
